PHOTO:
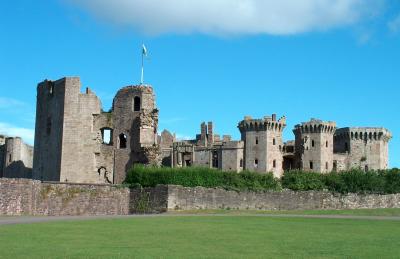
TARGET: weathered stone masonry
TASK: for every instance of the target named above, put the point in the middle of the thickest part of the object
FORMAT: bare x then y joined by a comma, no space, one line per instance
31,197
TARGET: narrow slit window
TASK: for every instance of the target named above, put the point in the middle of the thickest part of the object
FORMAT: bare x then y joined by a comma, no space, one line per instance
311,165
136,104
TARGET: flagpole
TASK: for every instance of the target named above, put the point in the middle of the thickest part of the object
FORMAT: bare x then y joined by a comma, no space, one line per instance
142,77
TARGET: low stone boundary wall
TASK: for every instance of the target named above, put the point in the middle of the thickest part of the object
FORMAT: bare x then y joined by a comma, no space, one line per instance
31,197
182,198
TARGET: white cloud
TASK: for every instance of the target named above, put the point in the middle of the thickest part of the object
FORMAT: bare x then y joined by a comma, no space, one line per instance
232,17
394,25
9,103
27,135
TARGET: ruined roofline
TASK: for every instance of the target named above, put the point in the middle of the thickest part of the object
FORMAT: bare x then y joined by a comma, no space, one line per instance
52,83
143,88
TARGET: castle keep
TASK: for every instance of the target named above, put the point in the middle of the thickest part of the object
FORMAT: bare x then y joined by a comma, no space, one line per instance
76,141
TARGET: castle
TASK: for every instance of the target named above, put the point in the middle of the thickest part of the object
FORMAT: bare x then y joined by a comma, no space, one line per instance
76,141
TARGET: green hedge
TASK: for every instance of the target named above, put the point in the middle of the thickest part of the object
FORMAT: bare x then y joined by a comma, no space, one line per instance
354,181
198,176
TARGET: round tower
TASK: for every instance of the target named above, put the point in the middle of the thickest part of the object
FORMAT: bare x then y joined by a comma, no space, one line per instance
263,144
135,123
314,145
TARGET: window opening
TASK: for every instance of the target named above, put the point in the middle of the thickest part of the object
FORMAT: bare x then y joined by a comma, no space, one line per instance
122,141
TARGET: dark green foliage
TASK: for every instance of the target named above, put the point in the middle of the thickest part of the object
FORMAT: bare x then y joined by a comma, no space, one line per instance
353,181
198,176
392,181
302,181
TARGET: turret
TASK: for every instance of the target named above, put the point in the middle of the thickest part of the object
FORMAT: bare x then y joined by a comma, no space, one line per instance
263,144
314,145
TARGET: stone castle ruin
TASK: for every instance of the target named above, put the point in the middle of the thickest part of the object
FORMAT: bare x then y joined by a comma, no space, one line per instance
15,158
76,141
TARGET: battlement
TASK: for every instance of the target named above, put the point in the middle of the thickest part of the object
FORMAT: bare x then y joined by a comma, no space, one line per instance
363,134
267,123
315,126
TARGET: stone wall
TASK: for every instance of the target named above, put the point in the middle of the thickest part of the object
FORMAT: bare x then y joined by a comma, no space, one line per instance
181,198
32,197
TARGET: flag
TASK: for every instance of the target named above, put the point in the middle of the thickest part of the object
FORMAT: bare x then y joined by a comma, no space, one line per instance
144,50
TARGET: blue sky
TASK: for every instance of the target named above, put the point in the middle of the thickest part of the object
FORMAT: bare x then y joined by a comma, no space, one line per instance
211,60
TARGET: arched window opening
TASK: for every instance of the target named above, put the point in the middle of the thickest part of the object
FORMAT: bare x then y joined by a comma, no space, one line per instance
136,104
106,136
122,141
256,163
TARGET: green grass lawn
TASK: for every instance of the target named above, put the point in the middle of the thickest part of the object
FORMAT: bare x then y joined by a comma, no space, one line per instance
203,237
358,212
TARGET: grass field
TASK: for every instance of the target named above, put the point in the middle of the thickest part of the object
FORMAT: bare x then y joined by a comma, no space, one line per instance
203,237
358,212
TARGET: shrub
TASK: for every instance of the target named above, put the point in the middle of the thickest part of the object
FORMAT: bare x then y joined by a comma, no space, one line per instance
303,181
199,176
392,181
356,181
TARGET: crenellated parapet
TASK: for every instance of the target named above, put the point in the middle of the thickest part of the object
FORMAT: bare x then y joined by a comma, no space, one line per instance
363,134
315,126
267,123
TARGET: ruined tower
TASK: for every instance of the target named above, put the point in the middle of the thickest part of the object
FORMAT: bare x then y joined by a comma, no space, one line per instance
366,148
75,141
263,144
64,137
135,123
314,145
